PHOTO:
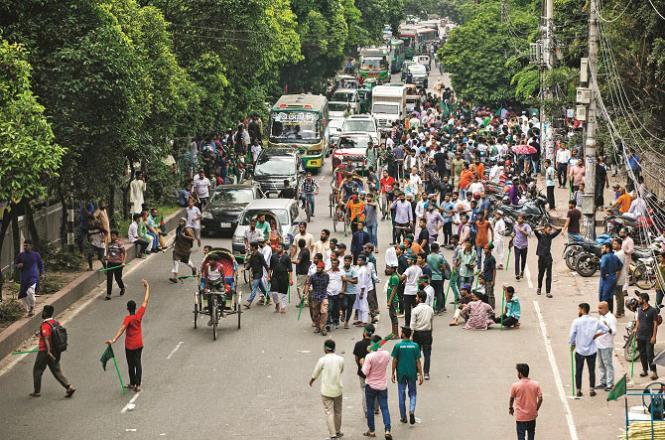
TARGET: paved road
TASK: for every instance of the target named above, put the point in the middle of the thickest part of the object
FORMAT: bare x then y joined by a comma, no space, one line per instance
252,383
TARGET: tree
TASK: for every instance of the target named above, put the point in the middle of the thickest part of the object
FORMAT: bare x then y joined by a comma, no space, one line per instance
28,155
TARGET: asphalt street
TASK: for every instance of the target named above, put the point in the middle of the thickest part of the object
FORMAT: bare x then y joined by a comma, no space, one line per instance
252,383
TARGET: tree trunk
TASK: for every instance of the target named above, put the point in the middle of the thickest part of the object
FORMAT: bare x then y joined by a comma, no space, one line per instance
111,206
16,238
33,233
6,221
63,223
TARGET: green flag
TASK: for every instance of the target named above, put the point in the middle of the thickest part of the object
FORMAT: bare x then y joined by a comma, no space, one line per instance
619,389
106,356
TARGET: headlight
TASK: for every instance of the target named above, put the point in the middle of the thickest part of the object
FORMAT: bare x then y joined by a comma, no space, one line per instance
207,215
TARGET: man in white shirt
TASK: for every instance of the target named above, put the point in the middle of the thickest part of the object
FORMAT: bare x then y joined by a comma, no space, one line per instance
621,280
330,368
361,304
303,234
333,290
201,186
410,278
194,220
638,208
605,344
562,159
415,182
421,325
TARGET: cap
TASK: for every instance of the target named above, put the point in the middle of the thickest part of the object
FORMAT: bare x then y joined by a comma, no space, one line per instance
466,287
321,264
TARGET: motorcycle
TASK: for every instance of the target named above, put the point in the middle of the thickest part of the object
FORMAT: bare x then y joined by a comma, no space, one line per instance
587,262
643,270
574,247
534,211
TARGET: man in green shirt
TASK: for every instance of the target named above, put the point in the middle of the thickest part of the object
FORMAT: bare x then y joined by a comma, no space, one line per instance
512,310
263,226
436,263
406,370
457,166
393,298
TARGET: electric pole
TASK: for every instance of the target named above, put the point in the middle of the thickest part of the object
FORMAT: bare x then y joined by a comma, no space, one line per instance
589,197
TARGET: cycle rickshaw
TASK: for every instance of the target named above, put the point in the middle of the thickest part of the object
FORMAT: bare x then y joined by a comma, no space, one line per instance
342,189
221,298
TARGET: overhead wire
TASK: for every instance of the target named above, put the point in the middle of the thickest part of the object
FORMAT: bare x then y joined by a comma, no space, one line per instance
656,9
615,18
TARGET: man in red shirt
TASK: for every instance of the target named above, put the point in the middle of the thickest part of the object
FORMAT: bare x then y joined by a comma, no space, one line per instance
133,338
527,398
48,355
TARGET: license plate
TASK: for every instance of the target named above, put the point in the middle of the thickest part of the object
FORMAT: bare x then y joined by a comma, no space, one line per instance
225,225
272,195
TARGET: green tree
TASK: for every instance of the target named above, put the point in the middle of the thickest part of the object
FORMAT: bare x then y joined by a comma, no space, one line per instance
29,158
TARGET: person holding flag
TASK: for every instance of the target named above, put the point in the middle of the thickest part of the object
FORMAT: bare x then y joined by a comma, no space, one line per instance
133,338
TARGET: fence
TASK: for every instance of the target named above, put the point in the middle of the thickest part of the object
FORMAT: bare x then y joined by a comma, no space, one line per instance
48,221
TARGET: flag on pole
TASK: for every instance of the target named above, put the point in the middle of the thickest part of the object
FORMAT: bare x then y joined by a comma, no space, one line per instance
619,389
381,343
107,356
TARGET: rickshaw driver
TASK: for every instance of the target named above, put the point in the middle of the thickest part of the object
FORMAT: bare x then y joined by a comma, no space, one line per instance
212,274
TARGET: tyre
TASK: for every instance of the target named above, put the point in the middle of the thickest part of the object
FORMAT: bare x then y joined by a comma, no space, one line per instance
245,275
331,203
570,256
308,211
238,308
586,264
630,351
645,279
215,316
196,314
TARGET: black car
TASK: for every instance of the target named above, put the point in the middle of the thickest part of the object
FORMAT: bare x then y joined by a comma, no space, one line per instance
226,204
274,166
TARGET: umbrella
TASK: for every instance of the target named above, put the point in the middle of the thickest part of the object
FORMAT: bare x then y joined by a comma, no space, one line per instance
523,149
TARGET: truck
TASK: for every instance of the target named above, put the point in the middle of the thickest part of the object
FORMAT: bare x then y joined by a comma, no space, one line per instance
388,105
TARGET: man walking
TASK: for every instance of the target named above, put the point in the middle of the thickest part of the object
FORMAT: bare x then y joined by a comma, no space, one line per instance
605,344
134,338
49,353
31,268
646,331
610,270
280,277
330,368
406,369
360,350
257,264
544,252
358,241
201,186
182,249
618,289
410,278
520,241
583,333
525,401
376,387
437,263
421,325
115,260
318,300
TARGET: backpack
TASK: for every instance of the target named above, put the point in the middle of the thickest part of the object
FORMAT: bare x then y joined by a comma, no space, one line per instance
58,337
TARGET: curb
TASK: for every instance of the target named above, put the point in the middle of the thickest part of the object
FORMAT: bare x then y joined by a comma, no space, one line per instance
21,330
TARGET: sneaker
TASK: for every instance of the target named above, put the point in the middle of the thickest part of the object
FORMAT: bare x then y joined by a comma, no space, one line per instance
644,374
579,393
403,420
537,291
608,389
517,277
654,376
412,418
122,292
339,434
107,298
426,376
592,393
549,295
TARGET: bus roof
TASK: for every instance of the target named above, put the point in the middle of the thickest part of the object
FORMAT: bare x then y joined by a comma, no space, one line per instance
301,101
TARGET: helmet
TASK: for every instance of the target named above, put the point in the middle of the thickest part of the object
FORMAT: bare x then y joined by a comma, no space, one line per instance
632,304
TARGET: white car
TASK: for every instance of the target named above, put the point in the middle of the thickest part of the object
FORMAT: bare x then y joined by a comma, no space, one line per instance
342,101
334,130
362,124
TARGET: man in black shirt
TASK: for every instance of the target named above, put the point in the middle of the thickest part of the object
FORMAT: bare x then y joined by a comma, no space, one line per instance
287,192
544,252
281,277
440,160
360,350
645,331
256,263
572,224
303,262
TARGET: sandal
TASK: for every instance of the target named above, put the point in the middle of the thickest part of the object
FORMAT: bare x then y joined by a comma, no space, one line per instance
388,436
70,391
369,434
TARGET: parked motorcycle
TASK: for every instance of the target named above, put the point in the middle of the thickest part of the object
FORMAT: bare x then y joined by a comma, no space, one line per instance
574,248
643,270
587,262
534,211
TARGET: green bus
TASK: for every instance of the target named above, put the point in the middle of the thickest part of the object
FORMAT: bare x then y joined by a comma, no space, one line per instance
375,63
396,55
300,121
408,37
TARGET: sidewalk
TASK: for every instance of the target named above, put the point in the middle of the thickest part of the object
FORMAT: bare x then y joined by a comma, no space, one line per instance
21,330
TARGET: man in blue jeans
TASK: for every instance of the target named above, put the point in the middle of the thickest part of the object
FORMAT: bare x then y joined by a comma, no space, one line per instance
374,368
405,371
256,263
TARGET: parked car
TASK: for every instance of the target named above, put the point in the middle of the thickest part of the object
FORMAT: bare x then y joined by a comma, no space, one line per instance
275,165
286,211
362,124
334,131
226,204
351,147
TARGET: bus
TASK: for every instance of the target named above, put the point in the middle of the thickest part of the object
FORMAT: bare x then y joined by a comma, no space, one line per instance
396,55
300,121
425,36
408,36
375,63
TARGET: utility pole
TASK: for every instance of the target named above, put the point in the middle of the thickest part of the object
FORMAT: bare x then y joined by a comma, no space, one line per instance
547,38
589,197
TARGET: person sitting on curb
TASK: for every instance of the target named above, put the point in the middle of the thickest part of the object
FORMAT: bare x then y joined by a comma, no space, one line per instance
465,298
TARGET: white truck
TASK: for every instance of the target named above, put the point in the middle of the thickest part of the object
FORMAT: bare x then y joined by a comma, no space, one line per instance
388,105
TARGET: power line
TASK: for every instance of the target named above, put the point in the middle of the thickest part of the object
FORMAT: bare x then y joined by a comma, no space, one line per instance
615,18
656,9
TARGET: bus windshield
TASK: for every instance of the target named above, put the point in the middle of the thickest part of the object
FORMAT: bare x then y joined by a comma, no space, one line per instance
289,126
372,64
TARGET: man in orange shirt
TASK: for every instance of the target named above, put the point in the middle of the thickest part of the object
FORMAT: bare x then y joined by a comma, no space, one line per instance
356,208
465,178
483,234
525,401
622,203
480,170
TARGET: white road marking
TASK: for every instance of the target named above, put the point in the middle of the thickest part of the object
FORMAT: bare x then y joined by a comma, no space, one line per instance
130,403
130,430
555,371
304,351
174,350
527,275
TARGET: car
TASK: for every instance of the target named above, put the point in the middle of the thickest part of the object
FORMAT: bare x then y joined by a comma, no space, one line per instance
226,203
286,211
419,75
424,60
351,147
362,124
334,131
405,69
275,165
344,101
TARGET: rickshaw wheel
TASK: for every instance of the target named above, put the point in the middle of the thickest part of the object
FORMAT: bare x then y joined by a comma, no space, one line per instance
196,314
238,309
214,316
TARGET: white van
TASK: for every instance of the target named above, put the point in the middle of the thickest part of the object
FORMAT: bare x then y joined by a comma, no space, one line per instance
388,105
